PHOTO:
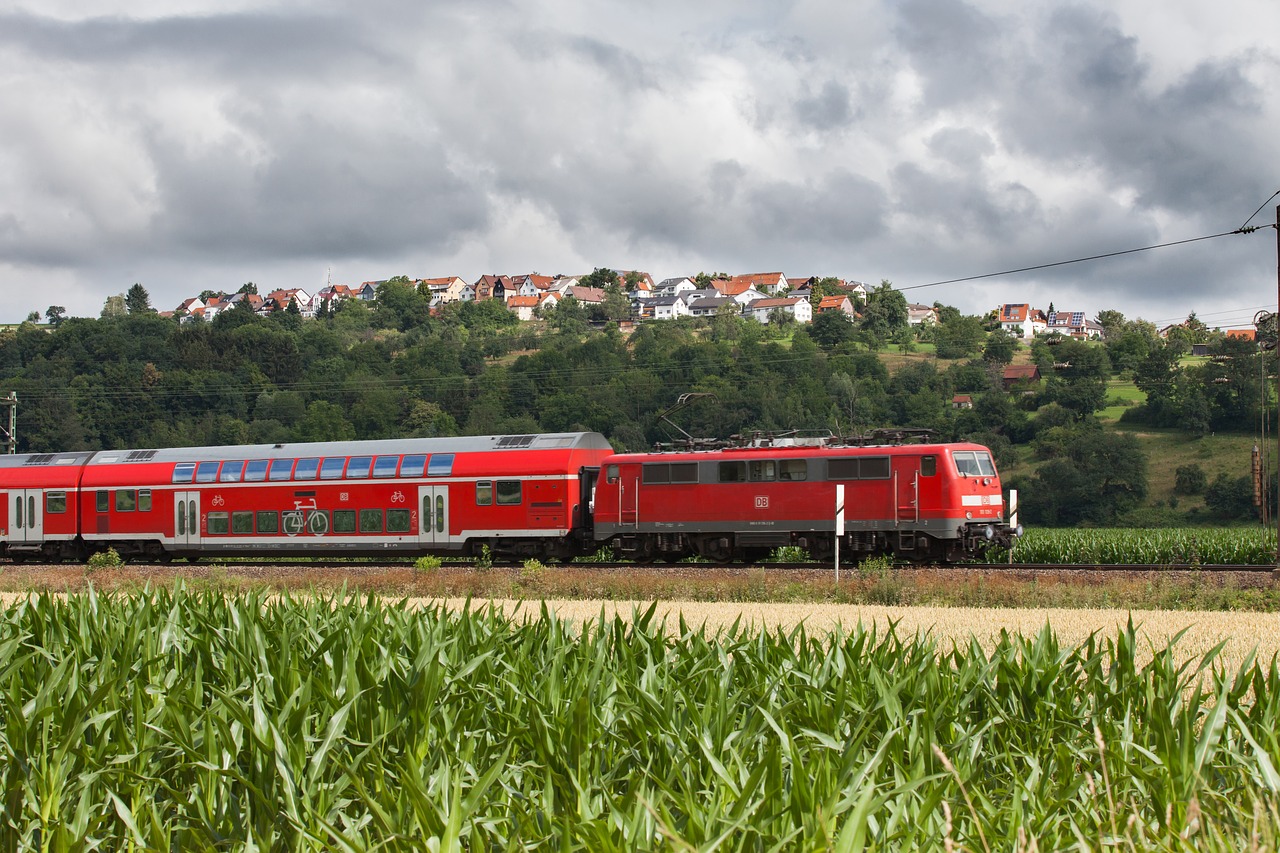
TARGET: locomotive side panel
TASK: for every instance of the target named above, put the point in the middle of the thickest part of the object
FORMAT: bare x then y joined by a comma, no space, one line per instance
916,501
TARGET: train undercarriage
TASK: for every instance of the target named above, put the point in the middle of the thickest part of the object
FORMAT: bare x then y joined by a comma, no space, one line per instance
970,542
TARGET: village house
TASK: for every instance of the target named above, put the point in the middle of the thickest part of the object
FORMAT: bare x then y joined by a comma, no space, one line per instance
771,283
840,303
713,305
667,307
672,286
586,296
1072,324
762,309
1020,375
1021,320
443,290
492,287
921,315
522,306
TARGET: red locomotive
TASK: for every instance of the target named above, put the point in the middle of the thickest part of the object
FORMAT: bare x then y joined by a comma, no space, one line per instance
553,495
934,502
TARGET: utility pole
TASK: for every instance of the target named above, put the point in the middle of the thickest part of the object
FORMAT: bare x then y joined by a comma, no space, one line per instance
1276,571
11,434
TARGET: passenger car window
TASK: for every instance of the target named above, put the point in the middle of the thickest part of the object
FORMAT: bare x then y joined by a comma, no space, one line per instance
413,465
281,469
509,492
306,469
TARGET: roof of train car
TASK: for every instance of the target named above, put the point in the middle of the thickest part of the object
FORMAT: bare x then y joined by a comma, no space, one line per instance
796,450
375,447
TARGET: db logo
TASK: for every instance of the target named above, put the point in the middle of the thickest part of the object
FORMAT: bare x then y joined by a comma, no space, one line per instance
762,501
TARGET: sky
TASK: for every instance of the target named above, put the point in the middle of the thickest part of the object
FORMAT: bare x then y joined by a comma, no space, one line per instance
190,145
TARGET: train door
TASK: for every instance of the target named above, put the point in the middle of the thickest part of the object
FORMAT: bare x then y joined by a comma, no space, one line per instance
433,510
186,518
629,495
26,516
906,488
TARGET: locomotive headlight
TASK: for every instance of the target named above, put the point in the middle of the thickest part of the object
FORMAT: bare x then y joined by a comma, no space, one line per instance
986,481
968,515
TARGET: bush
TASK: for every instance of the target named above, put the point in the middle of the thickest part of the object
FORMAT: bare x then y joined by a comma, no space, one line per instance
532,569
1189,479
108,559
429,563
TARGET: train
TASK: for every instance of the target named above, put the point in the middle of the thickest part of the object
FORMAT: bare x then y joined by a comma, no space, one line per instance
552,496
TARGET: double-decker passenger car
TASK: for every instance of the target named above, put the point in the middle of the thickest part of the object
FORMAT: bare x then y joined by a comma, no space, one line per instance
523,495
917,502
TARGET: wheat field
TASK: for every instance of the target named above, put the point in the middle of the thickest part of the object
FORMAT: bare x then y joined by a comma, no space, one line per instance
1241,632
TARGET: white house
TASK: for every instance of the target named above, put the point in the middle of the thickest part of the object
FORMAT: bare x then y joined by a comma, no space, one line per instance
672,286
668,307
800,309
1021,320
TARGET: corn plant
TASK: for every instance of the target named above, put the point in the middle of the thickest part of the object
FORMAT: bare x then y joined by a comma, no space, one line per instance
178,720
1183,546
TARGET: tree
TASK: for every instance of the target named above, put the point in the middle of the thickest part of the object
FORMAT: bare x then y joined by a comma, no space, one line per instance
831,328
959,337
1100,476
137,300
1000,347
600,277
33,317
886,311
114,306
55,314
1189,479
248,287
399,305
1230,497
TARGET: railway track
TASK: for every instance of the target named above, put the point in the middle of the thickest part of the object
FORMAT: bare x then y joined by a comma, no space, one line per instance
356,564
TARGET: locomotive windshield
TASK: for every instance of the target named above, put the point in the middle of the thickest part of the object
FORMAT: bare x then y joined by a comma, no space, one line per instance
974,463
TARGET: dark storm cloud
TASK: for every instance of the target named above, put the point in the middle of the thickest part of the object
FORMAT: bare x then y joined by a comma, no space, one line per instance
964,207
836,207
1191,144
325,190
913,141
955,48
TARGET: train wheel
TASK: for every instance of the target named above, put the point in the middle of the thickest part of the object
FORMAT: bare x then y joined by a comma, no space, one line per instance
716,548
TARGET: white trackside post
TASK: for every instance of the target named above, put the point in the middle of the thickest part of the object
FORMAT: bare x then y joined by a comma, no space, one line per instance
839,525
1013,519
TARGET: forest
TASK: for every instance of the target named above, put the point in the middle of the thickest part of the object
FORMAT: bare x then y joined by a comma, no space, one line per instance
391,368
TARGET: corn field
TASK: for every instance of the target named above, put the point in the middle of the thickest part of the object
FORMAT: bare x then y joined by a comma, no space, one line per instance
1182,546
177,720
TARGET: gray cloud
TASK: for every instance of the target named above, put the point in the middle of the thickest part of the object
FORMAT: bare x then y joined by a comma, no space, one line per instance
916,142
